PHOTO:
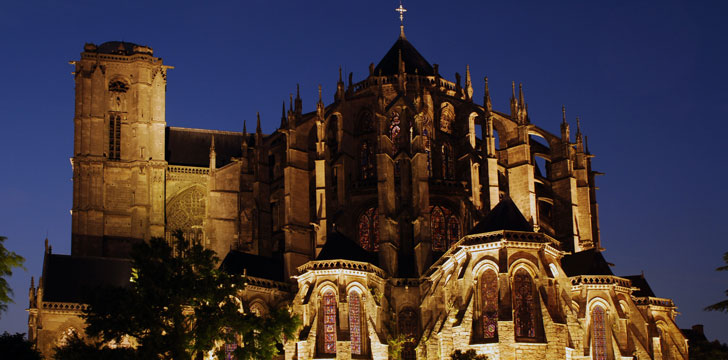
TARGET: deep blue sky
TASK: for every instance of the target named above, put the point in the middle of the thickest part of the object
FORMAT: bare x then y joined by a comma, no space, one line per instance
648,79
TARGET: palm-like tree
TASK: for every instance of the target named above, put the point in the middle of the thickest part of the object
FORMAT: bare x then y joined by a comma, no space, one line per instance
722,305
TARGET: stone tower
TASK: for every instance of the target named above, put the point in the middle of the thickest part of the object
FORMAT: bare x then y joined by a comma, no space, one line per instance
118,156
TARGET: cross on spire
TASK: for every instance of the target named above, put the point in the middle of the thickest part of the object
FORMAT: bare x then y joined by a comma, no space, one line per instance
401,10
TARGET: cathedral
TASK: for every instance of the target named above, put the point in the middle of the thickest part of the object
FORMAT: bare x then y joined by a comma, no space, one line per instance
405,213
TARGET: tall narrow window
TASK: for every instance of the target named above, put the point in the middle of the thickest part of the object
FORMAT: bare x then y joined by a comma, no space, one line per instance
489,305
366,163
329,322
524,305
428,151
447,117
599,333
355,321
408,326
369,229
445,228
448,162
114,136
394,131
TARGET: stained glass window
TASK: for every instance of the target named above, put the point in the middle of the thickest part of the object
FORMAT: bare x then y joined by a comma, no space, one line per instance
448,162
329,323
524,305
599,333
369,230
394,130
230,351
445,228
355,320
489,304
408,326
365,158
428,152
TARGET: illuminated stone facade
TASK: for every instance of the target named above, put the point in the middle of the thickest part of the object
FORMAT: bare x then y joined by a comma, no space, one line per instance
402,209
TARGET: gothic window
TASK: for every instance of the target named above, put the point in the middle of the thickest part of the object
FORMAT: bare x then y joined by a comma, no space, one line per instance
355,322
524,305
394,130
488,305
186,212
447,117
118,86
366,121
428,151
328,307
114,136
369,229
408,326
448,162
444,227
365,157
599,333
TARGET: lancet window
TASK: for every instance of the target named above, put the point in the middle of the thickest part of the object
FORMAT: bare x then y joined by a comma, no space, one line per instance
328,314
447,117
524,305
395,130
114,136
408,326
355,322
428,151
448,162
599,333
369,229
488,291
366,162
445,228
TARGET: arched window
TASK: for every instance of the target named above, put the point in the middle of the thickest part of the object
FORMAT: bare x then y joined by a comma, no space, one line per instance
328,323
366,162
428,151
599,333
186,212
408,326
488,305
356,319
114,136
394,130
524,305
369,230
445,228
448,162
447,117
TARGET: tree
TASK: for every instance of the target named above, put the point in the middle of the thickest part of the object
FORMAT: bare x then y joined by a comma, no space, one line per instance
8,261
722,305
468,355
179,305
16,347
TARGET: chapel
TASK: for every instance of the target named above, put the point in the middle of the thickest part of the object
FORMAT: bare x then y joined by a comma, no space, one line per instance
404,208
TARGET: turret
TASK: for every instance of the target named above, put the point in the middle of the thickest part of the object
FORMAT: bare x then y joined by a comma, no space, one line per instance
468,84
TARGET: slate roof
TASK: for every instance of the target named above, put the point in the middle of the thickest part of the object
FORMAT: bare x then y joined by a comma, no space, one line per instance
640,282
238,262
504,216
67,278
191,147
389,65
588,262
341,247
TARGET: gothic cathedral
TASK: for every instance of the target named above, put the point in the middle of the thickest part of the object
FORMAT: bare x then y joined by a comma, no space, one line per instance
403,209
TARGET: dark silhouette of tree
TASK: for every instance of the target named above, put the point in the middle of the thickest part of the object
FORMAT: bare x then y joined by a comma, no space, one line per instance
15,346
468,355
723,305
180,306
8,261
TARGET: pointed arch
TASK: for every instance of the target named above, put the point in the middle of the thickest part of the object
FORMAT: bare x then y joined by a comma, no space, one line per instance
356,322
186,212
444,228
447,117
395,130
328,313
366,161
408,325
599,333
448,161
368,229
487,320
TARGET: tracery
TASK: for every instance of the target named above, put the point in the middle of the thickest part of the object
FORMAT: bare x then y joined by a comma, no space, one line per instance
524,305
448,162
368,226
489,304
329,322
355,321
599,333
445,228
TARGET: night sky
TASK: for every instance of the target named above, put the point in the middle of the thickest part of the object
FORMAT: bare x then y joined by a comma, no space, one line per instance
648,79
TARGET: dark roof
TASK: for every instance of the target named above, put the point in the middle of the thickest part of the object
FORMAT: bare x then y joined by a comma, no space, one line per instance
504,216
389,65
191,147
67,278
588,262
640,282
340,247
121,48
237,262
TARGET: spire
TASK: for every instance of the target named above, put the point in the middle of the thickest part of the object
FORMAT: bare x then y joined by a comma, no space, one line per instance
320,104
514,103
283,116
563,114
468,84
257,127
298,107
244,145
579,140
319,89
521,101
564,126
245,132
486,101
213,155
339,88
401,10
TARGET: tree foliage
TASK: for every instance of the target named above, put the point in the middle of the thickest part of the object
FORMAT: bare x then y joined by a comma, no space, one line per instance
15,346
722,305
468,355
179,305
8,261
